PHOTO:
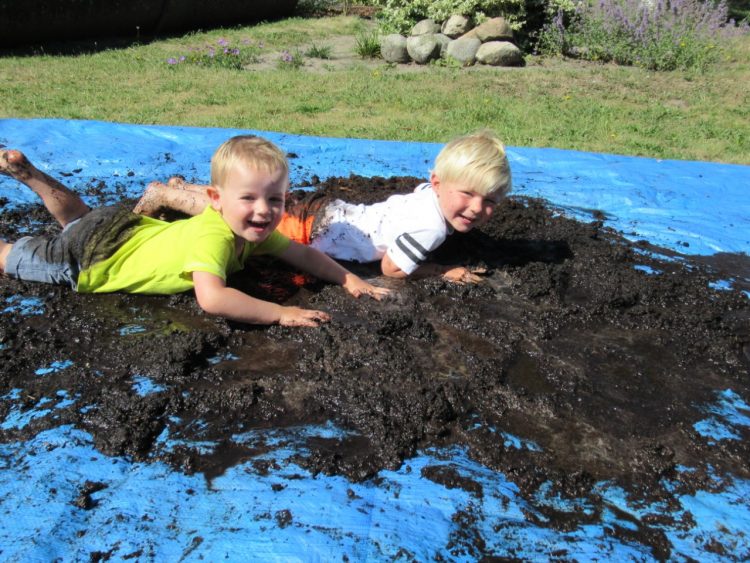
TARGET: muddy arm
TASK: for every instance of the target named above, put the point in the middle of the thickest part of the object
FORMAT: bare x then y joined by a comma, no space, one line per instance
215,298
457,274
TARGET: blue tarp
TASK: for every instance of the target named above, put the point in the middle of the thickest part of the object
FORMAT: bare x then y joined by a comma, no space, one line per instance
149,511
668,202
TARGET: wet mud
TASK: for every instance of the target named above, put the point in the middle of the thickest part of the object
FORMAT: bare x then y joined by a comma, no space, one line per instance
581,357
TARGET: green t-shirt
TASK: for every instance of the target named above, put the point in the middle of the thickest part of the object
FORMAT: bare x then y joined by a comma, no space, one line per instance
160,257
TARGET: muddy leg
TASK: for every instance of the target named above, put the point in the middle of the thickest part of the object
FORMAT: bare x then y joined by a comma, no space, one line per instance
179,183
190,199
64,204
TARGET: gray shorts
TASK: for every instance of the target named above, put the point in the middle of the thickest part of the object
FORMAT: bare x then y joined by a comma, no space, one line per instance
60,258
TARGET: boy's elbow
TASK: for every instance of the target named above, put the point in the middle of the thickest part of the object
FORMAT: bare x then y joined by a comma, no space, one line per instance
391,272
209,304
389,268
210,310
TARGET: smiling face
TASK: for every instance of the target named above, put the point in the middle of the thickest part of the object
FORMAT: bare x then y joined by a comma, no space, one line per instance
251,201
462,207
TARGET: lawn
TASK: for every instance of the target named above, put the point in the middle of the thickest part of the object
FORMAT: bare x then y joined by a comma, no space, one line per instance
547,103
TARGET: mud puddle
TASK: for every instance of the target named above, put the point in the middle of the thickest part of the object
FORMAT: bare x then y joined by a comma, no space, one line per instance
595,355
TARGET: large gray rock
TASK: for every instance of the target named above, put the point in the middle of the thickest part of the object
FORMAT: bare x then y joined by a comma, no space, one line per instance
443,41
463,50
423,48
393,48
495,29
456,26
425,26
499,53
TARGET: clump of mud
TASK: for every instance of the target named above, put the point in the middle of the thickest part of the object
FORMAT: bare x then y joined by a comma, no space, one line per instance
596,350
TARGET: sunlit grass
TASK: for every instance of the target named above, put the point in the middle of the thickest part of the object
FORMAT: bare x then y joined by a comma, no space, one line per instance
548,103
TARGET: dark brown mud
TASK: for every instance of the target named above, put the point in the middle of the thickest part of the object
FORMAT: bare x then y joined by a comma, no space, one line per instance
597,354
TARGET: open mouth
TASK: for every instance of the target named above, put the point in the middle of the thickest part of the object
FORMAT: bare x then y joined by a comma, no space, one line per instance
258,224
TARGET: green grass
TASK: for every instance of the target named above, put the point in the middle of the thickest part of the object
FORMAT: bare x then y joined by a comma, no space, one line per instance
549,103
367,44
319,52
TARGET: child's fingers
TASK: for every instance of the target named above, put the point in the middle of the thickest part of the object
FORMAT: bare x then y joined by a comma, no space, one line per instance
480,271
370,290
318,316
378,293
470,277
305,317
323,317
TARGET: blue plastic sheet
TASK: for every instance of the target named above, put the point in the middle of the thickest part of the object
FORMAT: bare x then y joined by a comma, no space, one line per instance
668,202
150,512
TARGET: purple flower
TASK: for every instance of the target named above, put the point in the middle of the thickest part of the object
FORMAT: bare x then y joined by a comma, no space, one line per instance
171,61
223,42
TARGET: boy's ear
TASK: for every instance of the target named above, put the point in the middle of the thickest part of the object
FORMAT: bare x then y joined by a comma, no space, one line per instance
214,196
434,180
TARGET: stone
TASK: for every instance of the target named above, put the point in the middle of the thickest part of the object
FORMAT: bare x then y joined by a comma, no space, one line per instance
499,53
423,48
495,29
455,26
393,49
463,50
425,26
443,41
472,33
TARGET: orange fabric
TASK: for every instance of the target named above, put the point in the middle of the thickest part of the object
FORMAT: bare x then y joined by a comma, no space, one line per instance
296,228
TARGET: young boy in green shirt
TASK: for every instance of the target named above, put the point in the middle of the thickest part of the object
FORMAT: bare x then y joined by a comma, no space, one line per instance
113,249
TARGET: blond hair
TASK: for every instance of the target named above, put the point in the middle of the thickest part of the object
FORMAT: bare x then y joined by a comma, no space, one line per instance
478,161
255,152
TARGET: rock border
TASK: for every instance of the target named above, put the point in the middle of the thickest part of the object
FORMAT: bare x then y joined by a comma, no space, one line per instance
454,40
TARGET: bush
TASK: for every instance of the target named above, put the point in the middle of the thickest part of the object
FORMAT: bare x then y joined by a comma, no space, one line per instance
398,16
655,34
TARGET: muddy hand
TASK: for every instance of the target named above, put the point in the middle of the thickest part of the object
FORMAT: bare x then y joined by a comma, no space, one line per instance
373,291
463,275
357,287
296,316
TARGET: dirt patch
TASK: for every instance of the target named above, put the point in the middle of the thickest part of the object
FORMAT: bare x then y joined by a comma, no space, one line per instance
580,358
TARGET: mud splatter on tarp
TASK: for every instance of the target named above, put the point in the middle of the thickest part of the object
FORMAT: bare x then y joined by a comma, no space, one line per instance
696,208
602,386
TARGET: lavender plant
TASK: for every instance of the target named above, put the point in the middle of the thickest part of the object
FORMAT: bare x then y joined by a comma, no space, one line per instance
222,54
291,60
654,34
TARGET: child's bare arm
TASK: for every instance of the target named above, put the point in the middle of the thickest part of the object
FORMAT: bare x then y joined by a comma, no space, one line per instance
215,298
456,274
326,268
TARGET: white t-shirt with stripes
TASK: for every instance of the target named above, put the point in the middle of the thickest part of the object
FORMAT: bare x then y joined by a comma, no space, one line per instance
406,226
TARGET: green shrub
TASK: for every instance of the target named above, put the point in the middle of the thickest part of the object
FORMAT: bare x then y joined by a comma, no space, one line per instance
398,16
